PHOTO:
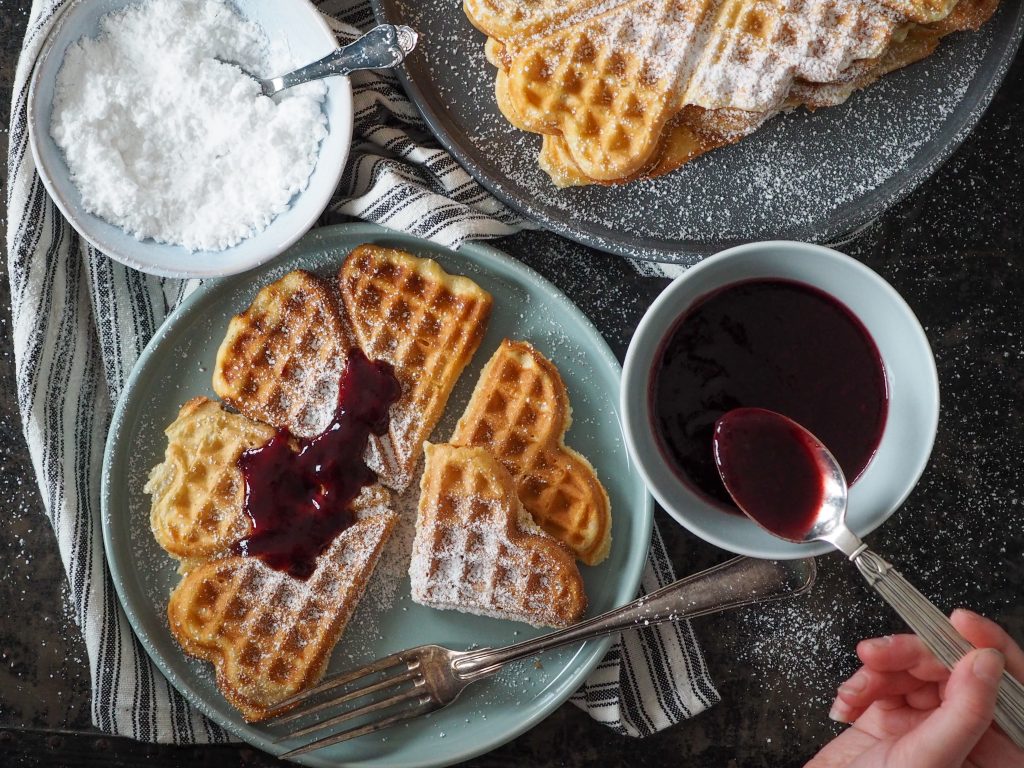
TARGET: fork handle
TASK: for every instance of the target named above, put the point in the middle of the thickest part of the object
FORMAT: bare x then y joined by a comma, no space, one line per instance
736,582
939,635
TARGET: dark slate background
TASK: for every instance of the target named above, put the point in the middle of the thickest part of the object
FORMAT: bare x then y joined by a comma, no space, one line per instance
952,249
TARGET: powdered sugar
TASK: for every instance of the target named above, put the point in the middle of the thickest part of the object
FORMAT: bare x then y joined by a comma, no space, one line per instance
477,550
181,147
704,55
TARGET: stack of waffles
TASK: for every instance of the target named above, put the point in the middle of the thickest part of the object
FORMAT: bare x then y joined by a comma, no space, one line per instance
628,89
268,633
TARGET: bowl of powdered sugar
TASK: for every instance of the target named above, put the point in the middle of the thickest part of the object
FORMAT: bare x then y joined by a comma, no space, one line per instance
163,154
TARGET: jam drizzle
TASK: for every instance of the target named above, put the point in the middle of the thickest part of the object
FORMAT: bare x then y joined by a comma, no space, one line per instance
299,492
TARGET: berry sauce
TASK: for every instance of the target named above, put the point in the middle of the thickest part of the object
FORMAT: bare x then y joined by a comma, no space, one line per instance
768,464
299,492
774,344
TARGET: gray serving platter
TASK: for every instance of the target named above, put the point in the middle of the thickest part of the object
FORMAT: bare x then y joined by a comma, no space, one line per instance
814,177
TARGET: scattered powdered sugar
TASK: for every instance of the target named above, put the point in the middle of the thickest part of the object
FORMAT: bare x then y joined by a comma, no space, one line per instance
382,591
704,57
181,147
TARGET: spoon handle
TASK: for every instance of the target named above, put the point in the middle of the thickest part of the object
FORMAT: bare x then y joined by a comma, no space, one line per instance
383,47
939,635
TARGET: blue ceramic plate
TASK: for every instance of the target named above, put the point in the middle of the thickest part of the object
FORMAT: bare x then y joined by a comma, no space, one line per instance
178,364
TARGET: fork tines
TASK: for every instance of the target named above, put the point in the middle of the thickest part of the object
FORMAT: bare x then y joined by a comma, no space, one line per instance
398,681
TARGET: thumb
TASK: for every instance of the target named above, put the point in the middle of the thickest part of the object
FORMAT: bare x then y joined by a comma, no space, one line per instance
949,734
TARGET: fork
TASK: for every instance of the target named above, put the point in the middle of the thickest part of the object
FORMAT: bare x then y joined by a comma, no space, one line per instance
430,677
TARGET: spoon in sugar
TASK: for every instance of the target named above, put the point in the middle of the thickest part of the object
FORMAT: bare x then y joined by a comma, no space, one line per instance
783,478
383,47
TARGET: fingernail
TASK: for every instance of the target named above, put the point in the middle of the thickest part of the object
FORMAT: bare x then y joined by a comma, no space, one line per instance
988,665
855,684
840,712
880,642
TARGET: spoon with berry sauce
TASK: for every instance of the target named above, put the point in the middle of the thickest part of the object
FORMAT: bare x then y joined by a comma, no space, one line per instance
785,480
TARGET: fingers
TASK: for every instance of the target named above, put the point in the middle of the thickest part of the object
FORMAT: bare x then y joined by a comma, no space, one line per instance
949,734
869,685
983,633
907,653
901,653
925,698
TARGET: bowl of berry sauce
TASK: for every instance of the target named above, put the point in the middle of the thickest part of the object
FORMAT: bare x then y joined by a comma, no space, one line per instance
794,328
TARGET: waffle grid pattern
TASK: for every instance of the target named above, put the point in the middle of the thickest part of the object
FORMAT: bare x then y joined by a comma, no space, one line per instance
520,412
198,489
267,634
282,357
612,85
426,323
476,549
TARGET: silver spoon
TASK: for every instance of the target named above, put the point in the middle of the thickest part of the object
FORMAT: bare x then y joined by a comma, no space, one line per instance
382,47
829,524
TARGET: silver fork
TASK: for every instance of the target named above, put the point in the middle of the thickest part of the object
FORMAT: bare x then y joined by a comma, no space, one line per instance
427,678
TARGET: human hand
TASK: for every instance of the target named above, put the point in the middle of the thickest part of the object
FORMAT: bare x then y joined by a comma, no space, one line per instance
909,711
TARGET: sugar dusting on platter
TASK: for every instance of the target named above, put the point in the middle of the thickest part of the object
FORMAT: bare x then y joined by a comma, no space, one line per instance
803,175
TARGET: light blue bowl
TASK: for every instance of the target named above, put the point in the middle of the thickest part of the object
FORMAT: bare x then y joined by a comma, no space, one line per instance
909,366
306,33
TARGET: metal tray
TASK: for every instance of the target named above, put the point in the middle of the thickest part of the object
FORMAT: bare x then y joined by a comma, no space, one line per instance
815,177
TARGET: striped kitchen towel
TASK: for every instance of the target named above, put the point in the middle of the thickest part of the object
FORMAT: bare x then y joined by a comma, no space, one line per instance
80,322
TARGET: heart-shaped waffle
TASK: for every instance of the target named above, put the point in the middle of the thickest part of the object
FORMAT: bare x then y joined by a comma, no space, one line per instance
605,81
409,312
520,412
267,634
478,551
282,358
198,488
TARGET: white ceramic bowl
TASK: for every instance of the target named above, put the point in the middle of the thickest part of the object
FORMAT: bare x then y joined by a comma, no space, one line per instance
909,366
306,33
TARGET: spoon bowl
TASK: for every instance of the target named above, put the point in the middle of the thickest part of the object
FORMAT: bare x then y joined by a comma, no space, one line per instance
910,425
783,478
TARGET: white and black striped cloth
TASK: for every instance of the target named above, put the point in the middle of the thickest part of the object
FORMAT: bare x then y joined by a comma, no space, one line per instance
81,320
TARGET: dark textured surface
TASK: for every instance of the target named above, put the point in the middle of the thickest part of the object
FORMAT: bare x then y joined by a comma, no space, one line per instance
953,249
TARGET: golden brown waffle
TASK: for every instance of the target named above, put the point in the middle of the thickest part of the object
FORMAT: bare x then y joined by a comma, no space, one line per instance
510,19
695,131
607,84
520,412
267,634
427,324
198,489
681,142
478,551
282,358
